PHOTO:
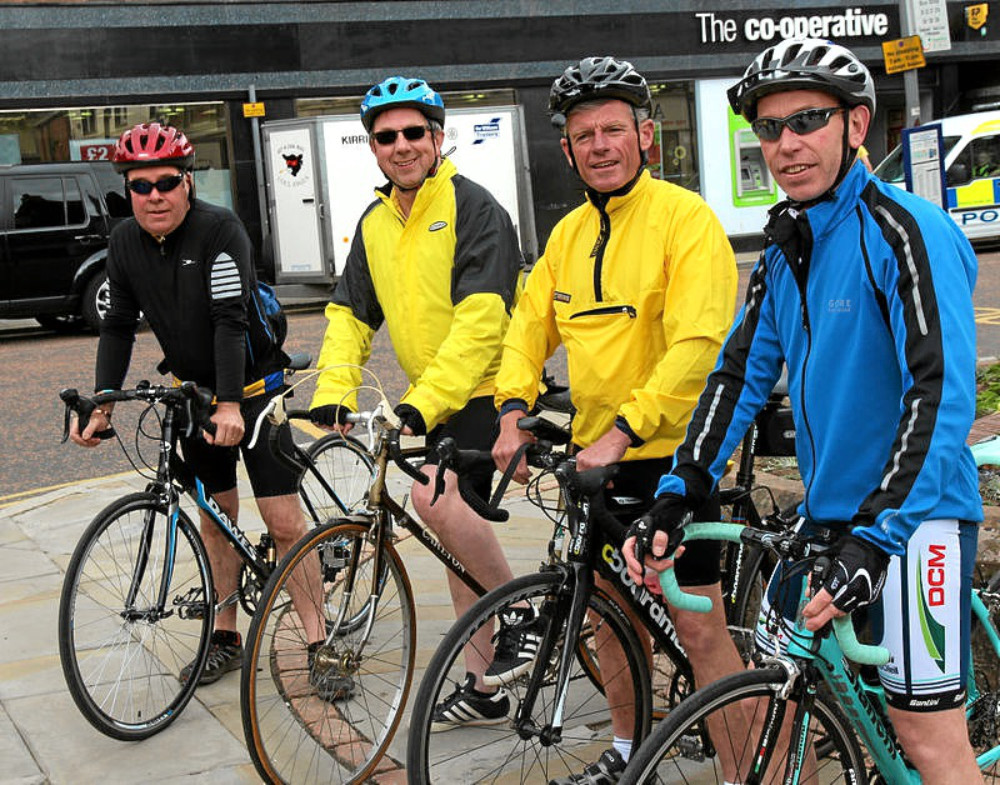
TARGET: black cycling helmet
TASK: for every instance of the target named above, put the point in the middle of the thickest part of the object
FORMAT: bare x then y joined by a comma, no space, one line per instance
804,64
596,78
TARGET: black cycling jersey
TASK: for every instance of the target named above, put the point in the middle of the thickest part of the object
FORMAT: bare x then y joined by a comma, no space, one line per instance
196,291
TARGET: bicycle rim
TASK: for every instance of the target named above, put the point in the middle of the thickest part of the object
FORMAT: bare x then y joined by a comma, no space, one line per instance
295,735
348,468
680,750
122,660
500,752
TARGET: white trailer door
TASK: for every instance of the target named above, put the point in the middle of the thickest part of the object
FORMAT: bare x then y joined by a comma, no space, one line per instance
294,204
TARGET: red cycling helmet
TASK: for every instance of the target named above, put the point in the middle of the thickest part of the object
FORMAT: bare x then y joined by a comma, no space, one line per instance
152,144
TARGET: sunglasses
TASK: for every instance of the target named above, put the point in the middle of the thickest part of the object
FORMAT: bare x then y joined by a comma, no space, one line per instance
145,188
411,134
768,129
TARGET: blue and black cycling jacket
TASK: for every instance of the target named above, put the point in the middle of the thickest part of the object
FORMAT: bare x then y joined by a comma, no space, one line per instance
867,297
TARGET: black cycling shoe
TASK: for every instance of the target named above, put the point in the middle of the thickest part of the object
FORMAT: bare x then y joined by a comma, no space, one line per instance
606,771
516,645
223,656
467,706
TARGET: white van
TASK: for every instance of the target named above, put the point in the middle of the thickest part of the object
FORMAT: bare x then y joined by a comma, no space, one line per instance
972,171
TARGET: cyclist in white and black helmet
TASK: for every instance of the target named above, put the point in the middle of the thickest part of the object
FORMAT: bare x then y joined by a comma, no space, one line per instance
639,284
865,292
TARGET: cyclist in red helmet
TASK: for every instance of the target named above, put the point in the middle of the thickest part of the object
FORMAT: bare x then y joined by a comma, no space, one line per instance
187,267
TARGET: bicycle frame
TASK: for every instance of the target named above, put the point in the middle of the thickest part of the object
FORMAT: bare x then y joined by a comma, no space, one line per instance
824,656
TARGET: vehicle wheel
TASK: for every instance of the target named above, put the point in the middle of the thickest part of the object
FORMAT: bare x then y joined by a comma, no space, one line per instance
713,737
295,733
96,300
121,652
348,468
523,749
67,323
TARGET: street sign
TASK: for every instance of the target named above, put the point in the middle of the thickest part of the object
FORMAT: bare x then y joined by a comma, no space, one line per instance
255,109
903,54
923,163
929,20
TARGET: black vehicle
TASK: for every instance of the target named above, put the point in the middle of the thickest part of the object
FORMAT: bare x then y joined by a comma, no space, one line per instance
55,220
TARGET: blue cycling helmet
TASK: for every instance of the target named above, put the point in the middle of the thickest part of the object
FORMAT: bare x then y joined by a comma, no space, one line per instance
399,91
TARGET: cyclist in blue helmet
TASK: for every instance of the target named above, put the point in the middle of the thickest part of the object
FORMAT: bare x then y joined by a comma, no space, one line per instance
399,92
435,258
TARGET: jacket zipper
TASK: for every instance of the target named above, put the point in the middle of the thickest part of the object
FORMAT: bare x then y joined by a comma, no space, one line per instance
598,253
629,309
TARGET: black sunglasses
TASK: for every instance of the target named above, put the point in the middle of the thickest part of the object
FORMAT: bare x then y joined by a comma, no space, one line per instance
411,134
768,129
164,185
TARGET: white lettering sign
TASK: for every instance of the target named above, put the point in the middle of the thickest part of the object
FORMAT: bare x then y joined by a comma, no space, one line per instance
852,23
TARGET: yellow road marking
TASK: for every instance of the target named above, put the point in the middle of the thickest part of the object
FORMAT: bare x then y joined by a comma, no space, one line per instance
987,315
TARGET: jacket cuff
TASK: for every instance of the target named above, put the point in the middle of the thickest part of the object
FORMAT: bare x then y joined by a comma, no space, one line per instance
634,439
513,404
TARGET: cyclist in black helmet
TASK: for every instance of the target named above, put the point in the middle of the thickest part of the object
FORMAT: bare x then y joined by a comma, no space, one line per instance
864,291
639,284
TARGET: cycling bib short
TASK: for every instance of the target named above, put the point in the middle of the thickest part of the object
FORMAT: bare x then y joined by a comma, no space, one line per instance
922,617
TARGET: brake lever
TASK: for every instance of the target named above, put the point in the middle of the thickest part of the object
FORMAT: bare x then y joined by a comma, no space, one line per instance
276,419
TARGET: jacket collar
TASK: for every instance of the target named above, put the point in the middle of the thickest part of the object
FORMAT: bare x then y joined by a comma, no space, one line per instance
609,202
826,215
428,190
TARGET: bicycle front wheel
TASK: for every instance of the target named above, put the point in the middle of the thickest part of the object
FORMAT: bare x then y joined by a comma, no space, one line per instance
347,467
984,707
716,734
121,648
525,746
328,715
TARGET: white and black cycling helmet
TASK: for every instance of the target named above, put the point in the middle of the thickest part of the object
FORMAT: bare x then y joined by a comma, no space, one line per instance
804,64
597,78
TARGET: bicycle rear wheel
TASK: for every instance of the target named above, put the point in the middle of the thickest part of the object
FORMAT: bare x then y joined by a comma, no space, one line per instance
348,468
532,752
121,652
328,717
680,750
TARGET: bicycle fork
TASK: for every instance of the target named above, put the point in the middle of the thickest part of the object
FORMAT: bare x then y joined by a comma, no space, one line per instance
582,581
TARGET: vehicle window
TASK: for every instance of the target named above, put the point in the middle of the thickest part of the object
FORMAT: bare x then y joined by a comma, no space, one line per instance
74,202
37,202
985,156
112,186
891,168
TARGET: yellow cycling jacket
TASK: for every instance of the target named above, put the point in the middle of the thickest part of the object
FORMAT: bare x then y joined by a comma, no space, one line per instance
443,280
641,289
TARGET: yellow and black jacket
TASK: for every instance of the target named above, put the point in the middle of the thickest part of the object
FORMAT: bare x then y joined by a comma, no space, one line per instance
443,280
641,289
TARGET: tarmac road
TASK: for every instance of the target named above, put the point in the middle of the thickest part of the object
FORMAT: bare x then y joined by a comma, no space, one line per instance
37,364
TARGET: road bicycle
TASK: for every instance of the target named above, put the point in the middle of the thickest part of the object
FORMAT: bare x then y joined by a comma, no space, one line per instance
138,602
827,704
329,715
560,718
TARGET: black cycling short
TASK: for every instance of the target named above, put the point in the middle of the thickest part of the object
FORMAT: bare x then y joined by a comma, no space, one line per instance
216,466
473,427
636,482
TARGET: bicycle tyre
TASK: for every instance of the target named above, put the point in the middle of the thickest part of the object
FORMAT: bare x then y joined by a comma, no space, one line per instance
498,750
292,733
349,469
121,668
984,730
752,568
678,750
